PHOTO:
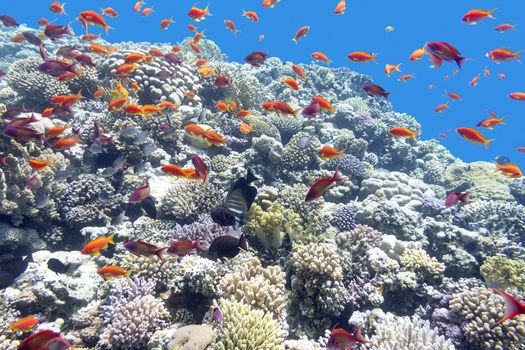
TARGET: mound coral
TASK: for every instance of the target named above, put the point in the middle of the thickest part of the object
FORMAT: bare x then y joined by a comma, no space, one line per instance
426,268
502,272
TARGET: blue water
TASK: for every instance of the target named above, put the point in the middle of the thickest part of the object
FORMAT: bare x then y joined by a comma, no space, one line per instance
361,28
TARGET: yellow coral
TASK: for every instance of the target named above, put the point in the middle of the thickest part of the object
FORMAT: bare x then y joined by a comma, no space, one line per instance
502,272
424,266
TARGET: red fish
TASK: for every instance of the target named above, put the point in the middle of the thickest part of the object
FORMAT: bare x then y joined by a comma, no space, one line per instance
198,14
501,54
491,122
110,12
320,57
440,108
455,197
454,96
91,17
181,248
375,90
231,26
66,143
442,51
473,135
57,8
141,248
323,184
328,152
279,108
504,27
475,80
269,3
520,149
404,133
200,167
518,96
301,33
509,169
39,165
252,15
311,110
256,58
291,83
343,340
138,5
513,307
146,12
323,102
166,22
140,193
24,324
476,15
340,8
360,56
299,71
45,340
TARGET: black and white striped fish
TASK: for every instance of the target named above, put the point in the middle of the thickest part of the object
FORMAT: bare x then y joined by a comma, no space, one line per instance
234,210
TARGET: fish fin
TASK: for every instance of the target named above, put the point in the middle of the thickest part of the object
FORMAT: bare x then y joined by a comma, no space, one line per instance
358,336
517,55
342,153
374,57
110,238
250,176
198,246
161,252
460,60
486,142
397,67
512,307
415,134
242,242
386,94
336,177
95,253
207,11
107,27
464,197
128,273
489,14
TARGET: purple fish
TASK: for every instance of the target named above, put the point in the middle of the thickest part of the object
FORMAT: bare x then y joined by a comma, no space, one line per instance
140,193
141,248
8,21
32,38
200,167
68,51
311,110
13,112
454,198
375,90
222,82
2,73
22,133
23,121
256,58
54,32
443,51
217,315
42,50
56,68
163,74
85,60
173,58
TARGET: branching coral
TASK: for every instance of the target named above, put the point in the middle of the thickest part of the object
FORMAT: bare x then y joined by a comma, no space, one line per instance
407,333
261,288
244,328
479,308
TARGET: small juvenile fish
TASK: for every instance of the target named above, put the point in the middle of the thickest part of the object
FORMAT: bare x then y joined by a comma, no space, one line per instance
389,68
181,248
328,152
517,96
340,8
25,324
300,34
251,15
231,26
340,339
360,56
417,54
141,248
440,108
320,57
476,15
504,27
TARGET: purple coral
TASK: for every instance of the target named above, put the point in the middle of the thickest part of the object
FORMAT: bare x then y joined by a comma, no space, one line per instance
432,206
344,217
203,229
349,164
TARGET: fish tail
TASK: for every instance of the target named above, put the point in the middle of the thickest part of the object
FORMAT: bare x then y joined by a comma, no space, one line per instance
160,252
374,57
517,55
358,336
415,134
486,142
386,94
498,167
198,246
128,273
107,27
110,238
95,253
512,307
397,67
460,60
242,242
207,11
489,13
337,177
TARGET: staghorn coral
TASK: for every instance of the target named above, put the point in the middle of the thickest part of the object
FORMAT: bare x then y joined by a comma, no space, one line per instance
478,308
131,315
407,333
244,328
502,272
425,267
187,199
261,288
34,86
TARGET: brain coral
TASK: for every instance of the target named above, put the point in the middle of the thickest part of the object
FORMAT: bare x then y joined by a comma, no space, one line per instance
245,328
479,308
407,333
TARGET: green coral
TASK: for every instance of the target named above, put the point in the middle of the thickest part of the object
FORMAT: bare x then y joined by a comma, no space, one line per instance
502,272
244,328
425,267
271,225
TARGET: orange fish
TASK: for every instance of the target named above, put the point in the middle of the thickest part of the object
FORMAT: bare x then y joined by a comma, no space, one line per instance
156,52
213,138
167,105
269,3
232,105
360,56
66,143
206,71
486,72
245,128
94,247
476,15
24,324
56,131
503,55
135,57
165,23
66,100
194,47
328,152
48,112
406,77
442,136
340,8
221,106
117,104
198,36
322,185
39,165
243,113
191,28
67,76
198,14
43,22
475,80
176,171
440,108
473,135
453,95
261,37
404,133
133,109
389,68
110,12
201,62
324,104
518,96
121,89
135,86
90,37
301,33
509,169
320,57
230,26
490,123
125,69
57,8
417,54
91,17
98,49
151,109
194,130
299,71
138,5
281,108
252,15
113,271
99,93
147,11
504,27
292,83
